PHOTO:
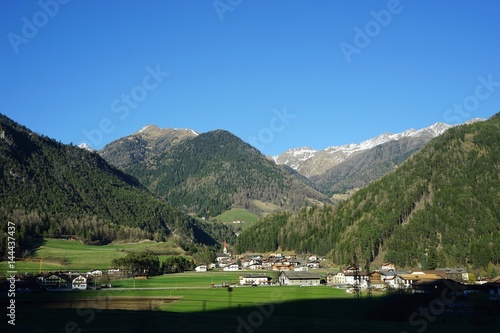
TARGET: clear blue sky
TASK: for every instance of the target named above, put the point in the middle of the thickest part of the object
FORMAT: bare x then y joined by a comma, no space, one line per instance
288,73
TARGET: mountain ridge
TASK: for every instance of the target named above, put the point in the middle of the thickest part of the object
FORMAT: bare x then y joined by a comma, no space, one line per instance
52,189
439,208
216,171
311,162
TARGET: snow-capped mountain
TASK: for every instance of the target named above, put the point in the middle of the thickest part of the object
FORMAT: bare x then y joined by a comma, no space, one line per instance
85,146
310,162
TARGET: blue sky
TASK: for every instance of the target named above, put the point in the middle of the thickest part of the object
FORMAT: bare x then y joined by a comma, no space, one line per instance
278,74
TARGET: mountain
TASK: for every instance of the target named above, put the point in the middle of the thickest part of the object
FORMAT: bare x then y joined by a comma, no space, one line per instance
142,145
51,189
215,171
441,207
310,162
362,168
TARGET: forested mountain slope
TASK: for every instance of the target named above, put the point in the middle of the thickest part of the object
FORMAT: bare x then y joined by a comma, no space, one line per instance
215,171
148,142
439,208
48,188
366,166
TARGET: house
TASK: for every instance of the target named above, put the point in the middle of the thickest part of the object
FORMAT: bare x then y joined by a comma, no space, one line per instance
282,267
222,257
376,280
231,268
301,269
292,278
313,264
54,281
95,272
254,279
335,278
388,267
81,282
201,268
456,274
360,278
257,266
390,280
338,278
313,258
407,280
352,269
141,276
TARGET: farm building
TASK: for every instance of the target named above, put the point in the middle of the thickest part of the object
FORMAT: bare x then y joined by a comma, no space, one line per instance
294,278
254,279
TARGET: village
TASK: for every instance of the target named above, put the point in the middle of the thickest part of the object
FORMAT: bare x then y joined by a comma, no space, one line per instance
277,269
306,272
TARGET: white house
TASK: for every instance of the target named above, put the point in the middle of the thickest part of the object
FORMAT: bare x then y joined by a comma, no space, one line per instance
293,278
79,282
254,279
391,280
313,264
201,268
231,268
257,266
360,278
95,272
337,279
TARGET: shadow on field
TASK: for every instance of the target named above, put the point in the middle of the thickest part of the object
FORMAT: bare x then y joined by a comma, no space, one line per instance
396,313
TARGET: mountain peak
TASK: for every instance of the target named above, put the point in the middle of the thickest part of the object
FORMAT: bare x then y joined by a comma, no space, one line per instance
310,162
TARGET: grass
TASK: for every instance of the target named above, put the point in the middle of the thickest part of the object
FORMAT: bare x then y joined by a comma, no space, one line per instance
238,214
180,280
60,254
243,309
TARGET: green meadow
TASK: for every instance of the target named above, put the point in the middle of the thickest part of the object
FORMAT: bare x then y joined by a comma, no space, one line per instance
61,254
238,214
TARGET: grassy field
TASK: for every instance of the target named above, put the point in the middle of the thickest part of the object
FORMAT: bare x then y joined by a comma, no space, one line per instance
60,254
181,280
244,309
238,214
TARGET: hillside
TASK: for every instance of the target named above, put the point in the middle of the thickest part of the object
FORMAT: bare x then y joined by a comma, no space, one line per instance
52,189
216,171
310,162
439,208
142,145
362,168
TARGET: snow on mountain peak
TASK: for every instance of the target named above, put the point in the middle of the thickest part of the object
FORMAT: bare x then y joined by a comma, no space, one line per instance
144,128
85,146
296,157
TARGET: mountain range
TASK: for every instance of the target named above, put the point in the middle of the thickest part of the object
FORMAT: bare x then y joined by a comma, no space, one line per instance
51,189
441,207
209,173
310,162
418,193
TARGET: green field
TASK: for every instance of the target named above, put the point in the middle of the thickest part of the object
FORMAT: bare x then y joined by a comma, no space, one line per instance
238,214
60,254
244,309
180,280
